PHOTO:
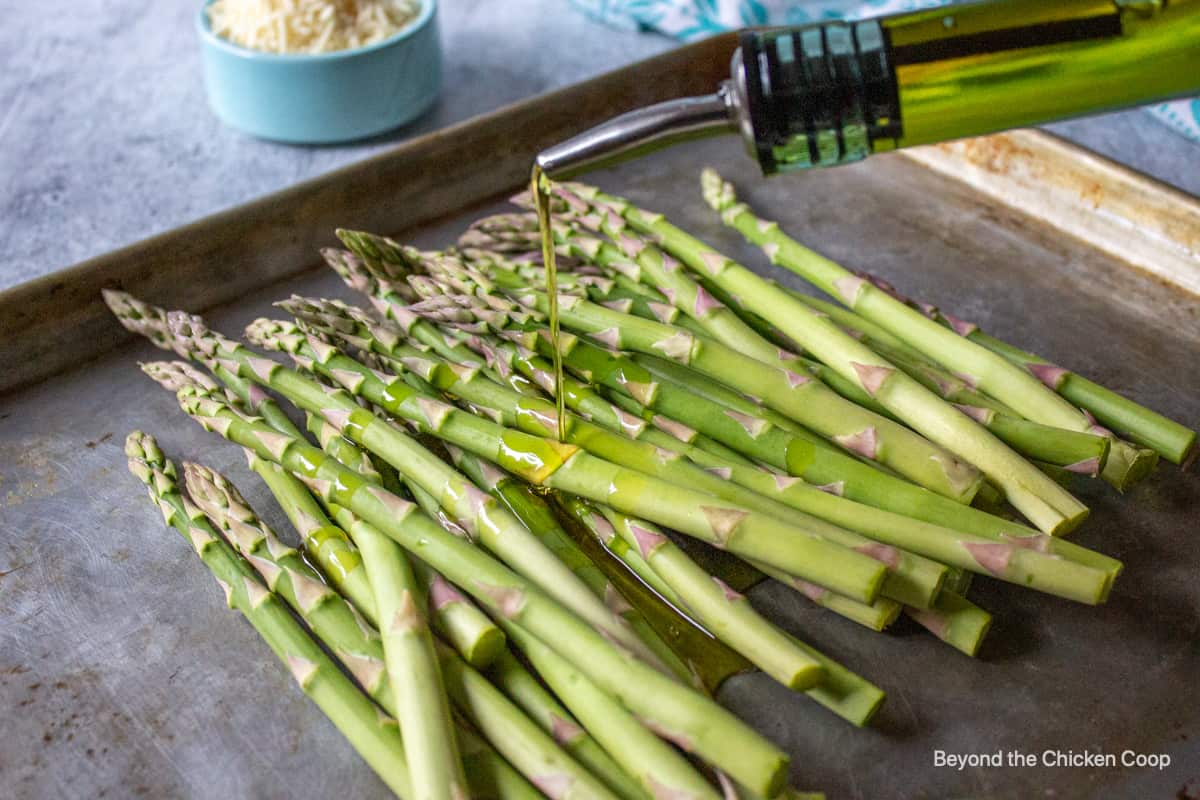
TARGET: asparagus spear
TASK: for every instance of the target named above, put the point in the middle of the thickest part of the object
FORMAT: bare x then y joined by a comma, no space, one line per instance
603,531
791,393
418,697
714,734
518,738
375,738
851,480
447,270
334,553
955,620
1083,452
1042,501
910,577
390,299
1168,438
657,767
358,645
721,610
989,371
1054,445
841,691
455,618
412,666
877,616
520,685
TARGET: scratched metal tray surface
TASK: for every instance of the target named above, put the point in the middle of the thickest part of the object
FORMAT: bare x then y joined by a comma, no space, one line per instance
123,674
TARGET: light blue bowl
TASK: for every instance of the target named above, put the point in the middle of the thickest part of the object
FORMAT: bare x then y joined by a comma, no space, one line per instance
325,97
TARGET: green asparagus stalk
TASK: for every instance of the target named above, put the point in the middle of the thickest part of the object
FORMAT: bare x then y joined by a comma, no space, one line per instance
287,574
788,392
577,395
1139,424
1084,453
537,753
518,738
515,237
603,531
151,322
375,738
713,734
389,298
955,620
309,520
1079,452
1130,464
379,254
511,676
987,370
656,766
664,273
359,647
566,467
715,318
841,691
412,667
721,610
852,479
877,616
1042,501
620,289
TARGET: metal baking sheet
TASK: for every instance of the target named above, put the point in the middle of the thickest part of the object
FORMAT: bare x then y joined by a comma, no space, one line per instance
122,674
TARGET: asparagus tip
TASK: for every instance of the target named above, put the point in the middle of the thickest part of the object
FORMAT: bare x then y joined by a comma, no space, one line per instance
718,192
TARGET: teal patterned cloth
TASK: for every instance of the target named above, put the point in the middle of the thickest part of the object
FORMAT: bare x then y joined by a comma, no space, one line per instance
689,20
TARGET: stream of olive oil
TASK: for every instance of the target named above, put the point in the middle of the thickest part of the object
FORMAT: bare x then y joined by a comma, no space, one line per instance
710,659
539,187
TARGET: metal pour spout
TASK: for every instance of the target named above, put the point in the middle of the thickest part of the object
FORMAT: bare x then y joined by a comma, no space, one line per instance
638,132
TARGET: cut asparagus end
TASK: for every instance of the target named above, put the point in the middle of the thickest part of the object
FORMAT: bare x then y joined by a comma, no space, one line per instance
956,621
1128,465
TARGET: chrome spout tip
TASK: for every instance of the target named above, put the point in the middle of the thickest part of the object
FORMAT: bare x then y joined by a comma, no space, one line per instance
638,132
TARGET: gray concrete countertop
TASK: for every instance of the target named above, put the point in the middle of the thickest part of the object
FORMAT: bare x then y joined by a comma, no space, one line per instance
106,138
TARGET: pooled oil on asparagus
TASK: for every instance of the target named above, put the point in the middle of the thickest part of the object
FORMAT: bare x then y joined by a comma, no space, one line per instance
709,659
539,188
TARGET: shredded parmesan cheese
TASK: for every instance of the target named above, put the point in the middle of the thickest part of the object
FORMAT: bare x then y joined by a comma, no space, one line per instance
309,26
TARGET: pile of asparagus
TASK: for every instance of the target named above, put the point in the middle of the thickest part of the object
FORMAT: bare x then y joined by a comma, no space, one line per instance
447,610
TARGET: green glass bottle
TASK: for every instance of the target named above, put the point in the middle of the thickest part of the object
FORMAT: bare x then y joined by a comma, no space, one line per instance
837,92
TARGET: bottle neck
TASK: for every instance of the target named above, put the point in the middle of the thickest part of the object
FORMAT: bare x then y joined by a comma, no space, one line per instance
832,93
